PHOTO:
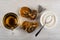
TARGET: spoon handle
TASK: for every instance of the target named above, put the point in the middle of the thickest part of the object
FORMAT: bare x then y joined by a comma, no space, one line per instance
39,31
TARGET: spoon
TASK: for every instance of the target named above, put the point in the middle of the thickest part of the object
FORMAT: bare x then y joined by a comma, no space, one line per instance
46,22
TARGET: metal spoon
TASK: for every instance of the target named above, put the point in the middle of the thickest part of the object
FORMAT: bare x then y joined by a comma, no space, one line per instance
46,22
